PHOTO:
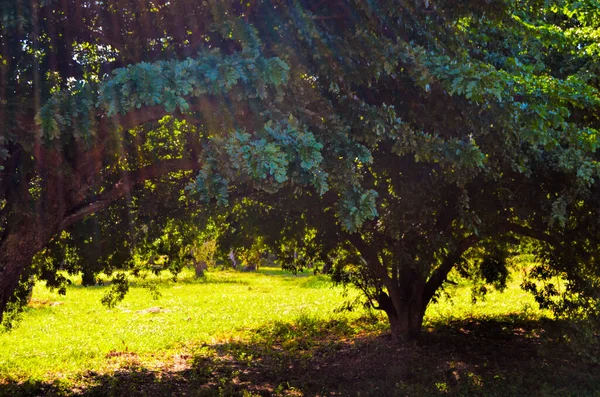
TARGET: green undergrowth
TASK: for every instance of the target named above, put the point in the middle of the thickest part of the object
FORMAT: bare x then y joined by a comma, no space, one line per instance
274,333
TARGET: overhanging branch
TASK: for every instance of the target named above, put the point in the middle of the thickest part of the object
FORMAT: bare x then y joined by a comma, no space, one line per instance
507,227
369,254
128,180
439,276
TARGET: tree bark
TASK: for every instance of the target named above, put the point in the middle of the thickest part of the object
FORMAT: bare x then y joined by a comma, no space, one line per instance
404,302
405,306
16,254
88,278
32,224
406,325
65,191
405,318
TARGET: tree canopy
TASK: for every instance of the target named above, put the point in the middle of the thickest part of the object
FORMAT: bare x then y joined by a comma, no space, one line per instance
393,140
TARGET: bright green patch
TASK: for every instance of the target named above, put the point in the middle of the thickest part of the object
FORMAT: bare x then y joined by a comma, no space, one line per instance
273,333
64,335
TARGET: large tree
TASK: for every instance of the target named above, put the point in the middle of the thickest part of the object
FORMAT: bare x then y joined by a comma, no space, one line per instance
396,135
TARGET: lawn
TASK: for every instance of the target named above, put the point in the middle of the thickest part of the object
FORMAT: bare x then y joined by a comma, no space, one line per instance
64,335
274,333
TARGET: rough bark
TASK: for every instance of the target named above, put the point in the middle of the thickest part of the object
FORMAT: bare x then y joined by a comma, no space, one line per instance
16,254
407,325
405,306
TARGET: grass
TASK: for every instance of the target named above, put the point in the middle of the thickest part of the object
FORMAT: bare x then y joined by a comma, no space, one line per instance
63,335
273,333
457,303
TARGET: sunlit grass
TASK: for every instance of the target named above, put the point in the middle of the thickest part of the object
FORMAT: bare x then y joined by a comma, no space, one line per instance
68,334
63,336
457,303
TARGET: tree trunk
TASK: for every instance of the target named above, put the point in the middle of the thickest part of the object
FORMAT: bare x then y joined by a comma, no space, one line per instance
16,254
406,322
405,306
327,267
88,278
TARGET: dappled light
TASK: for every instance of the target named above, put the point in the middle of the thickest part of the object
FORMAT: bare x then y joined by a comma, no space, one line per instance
307,198
228,332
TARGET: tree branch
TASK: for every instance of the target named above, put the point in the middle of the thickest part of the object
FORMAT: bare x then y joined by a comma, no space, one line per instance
439,276
506,227
368,254
128,180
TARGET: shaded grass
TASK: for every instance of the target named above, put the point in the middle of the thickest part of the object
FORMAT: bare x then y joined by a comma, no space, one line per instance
312,357
64,335
273,333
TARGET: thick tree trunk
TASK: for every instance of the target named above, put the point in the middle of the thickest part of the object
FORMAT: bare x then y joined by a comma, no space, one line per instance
60,206
407,325
16,254
406,320
88,278
405,306
30,230
65,196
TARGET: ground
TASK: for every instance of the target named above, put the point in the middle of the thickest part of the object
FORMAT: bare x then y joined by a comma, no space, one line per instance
275,334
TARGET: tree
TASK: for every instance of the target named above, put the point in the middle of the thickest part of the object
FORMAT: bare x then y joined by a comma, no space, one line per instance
411,131
72,145
481,147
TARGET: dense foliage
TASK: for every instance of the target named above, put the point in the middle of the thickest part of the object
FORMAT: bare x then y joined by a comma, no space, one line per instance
393,140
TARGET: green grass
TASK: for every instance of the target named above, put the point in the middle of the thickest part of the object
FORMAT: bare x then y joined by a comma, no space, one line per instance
65,335
457,303
273,333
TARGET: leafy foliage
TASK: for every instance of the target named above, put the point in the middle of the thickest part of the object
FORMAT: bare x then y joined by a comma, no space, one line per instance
388,140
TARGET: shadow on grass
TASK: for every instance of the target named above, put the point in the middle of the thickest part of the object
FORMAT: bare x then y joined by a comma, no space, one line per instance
166,283
492,357
213,276
278,271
